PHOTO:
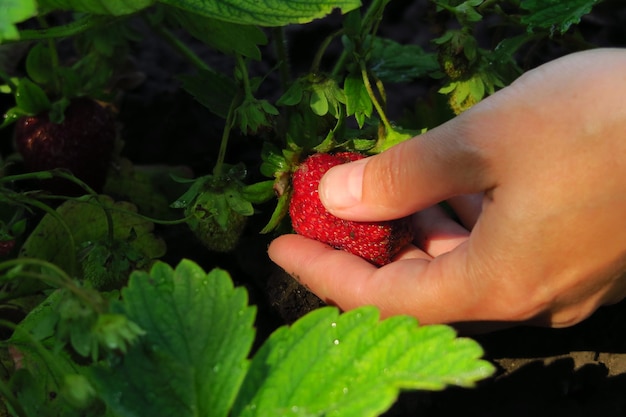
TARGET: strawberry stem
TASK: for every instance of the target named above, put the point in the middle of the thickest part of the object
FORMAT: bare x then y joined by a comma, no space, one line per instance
372,95
280,45
230,120
317,60
180,47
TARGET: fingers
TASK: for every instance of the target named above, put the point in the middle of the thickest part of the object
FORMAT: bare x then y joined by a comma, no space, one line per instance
413,285
444,162
436,233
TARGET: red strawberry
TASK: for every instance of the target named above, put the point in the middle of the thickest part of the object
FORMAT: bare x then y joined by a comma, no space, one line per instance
6,245
378,242
83,144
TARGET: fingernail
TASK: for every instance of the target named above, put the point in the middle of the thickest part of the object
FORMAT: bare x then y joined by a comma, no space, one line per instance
342,186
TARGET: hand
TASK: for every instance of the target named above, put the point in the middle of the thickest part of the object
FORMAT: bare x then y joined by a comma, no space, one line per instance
536,175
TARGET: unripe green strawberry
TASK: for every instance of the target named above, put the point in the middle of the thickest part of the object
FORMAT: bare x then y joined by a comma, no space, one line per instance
214,222
377,242
83,144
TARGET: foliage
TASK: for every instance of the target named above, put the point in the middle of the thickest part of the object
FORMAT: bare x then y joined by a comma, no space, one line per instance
178,340
185,337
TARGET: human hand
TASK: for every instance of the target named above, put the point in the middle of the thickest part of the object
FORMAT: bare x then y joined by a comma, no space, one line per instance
536,173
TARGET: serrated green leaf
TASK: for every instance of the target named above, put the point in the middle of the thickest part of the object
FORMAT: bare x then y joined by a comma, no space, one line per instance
318,102
192,360
100,7
397,63
90,229
293,95
555,14
227,37
13,12
354,365
358,102
213,90
43,371
237,202
266,13
259,192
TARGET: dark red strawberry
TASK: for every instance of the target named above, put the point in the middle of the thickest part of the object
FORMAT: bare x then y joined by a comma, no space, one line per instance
378,242
6,246
83,144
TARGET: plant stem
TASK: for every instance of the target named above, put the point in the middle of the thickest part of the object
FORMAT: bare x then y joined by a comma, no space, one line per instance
181,47
5,77
54,56
317,60
62,281
372,95
230,118
280,45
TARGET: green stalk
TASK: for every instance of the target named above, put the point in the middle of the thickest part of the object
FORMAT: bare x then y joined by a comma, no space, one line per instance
230,120
181,47
317,60
62,281
54,56
5,77
372,95
280,46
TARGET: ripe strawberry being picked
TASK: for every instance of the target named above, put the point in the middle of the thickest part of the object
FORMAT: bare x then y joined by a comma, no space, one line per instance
377,242
83,144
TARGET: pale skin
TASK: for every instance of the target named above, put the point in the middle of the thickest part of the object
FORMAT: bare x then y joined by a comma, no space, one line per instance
536,176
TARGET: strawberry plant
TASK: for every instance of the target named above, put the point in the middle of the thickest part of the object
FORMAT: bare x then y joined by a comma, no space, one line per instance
111,318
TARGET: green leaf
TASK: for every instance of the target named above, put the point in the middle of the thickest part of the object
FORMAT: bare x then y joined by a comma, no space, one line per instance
134,245
318,102
279,213
358,102
265,13
44,371
12,12
100,7
354,365
397,63
259,192
555,14
39,64
237,202
31,98
192,360
227,37
213,90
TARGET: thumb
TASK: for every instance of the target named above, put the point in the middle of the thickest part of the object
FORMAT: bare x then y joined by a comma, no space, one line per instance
444,162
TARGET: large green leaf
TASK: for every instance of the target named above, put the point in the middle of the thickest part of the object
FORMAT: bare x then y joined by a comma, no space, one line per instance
103,7
354,365
224,36
192,360
397,63
555,14
264,13
212,89
12,12
104,262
